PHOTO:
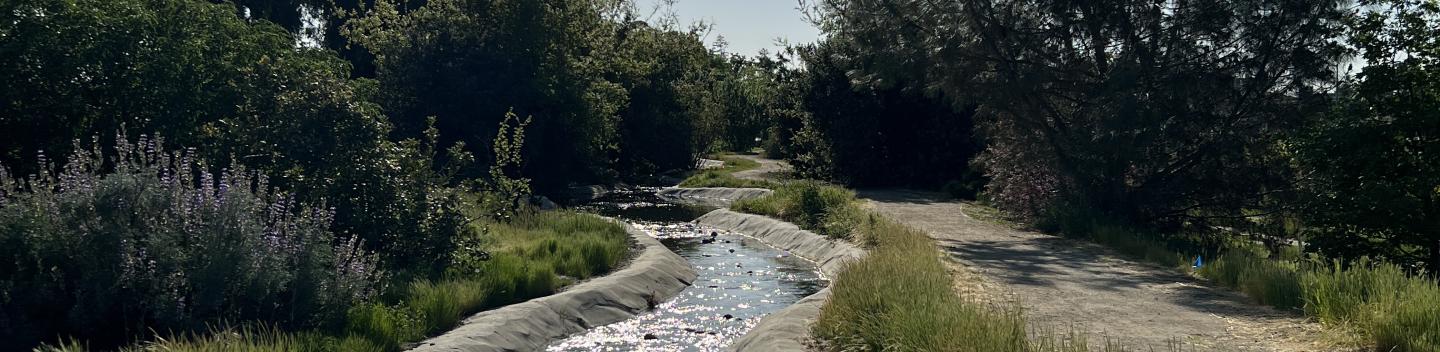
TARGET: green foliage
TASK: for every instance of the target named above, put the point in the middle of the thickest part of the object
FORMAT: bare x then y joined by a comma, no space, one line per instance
674,111
249,339
1137,109
860,130
900,298
720,178
1373,185
1396,310
613,98
826,209
237,90
532,255
1270,282
723,177
189,70
162,244
505,193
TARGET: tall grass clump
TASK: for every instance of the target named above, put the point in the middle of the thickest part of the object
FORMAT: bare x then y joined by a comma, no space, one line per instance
826,209
1397,311
900,298
249,338
115,246
1270,282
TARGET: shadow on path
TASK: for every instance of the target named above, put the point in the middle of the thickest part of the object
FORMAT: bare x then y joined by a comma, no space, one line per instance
1064,283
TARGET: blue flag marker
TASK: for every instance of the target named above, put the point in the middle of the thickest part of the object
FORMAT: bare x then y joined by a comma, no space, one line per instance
1199,262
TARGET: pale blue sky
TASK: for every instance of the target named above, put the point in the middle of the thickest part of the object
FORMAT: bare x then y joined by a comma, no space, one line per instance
748,25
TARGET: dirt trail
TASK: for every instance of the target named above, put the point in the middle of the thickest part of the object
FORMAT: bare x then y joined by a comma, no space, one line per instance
1066,285
769,169
1063,284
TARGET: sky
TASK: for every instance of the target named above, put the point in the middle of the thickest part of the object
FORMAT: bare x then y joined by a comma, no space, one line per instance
747,25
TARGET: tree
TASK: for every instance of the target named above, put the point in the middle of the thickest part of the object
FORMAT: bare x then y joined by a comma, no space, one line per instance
1372,164
668,76
872,134
1152,113
468,62
198,75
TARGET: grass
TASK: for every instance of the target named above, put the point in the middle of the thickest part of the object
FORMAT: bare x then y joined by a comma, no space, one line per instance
826,209
1387,307
531,256
900,296
724,176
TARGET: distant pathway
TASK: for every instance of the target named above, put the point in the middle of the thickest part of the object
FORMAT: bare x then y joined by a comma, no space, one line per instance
1064,284
769,169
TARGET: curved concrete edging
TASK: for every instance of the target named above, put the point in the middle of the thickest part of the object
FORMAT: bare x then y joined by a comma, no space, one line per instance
789,328
653,276
717,196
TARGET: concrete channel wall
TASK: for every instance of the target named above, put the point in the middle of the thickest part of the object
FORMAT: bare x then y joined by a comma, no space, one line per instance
714,196
789,328
652,277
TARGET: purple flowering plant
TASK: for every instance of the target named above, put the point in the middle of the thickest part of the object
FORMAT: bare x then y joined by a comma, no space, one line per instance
144,240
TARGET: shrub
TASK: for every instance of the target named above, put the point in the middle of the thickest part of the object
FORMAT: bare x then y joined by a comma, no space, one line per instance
812,205
164,245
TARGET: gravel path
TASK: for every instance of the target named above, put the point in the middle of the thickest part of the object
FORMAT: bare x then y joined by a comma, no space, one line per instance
1065,284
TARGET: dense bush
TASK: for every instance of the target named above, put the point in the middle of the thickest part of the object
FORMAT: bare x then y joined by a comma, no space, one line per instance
673,114
467,62
1373,161
164,245
900,297
865,131
236,90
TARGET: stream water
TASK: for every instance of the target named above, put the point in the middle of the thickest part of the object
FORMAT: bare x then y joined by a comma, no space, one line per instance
740,280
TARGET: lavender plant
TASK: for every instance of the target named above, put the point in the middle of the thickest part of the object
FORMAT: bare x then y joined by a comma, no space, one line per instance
111,247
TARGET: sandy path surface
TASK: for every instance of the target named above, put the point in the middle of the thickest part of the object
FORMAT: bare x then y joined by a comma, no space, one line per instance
1065,284
769,169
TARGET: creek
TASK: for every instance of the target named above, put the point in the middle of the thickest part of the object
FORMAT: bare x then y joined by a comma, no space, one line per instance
740,281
